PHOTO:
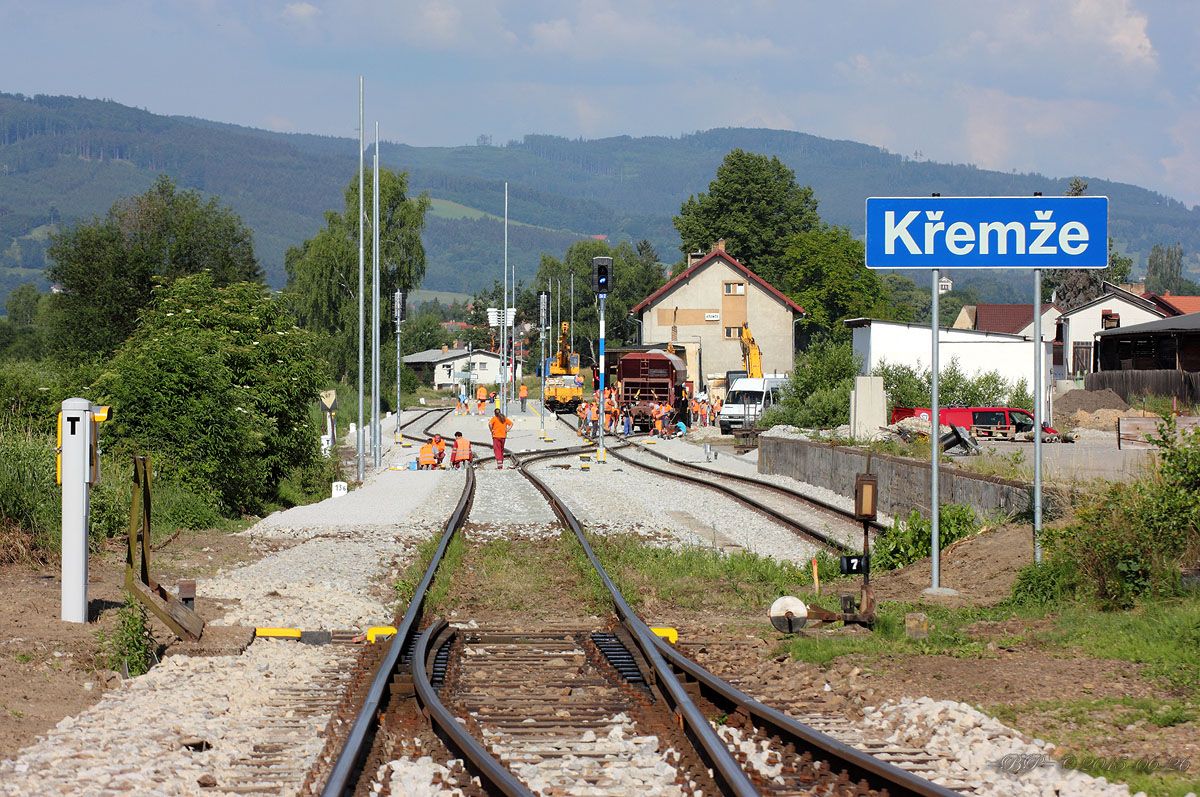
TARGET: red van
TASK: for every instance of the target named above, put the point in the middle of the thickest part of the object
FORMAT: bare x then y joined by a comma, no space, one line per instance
1021,420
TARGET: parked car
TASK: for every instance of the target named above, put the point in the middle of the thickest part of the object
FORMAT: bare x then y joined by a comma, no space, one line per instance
975,417
748,398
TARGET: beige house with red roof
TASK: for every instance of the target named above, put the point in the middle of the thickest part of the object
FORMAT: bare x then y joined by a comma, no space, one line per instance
703,308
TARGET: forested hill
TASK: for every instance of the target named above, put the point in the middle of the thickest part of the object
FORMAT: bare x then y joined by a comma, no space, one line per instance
64,158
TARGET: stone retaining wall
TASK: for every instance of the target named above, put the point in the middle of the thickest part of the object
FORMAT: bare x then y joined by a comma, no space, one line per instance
903,483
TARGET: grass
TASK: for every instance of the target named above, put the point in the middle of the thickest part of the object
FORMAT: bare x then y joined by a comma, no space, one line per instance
1163,635
436,598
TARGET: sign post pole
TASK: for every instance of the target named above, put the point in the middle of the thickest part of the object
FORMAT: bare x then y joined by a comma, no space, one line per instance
76,440
543,308
935,440
601,274
1038,390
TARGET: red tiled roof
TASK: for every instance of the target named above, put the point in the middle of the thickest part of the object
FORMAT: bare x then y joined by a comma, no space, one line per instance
1007,318
1175,305
686,274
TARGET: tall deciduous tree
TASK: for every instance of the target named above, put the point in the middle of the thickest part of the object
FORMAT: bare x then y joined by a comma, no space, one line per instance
756,205
108,267
323,271
1164,271
1072,287
826,275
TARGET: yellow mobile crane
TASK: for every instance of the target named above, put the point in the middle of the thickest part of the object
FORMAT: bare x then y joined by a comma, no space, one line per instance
751,354
564,385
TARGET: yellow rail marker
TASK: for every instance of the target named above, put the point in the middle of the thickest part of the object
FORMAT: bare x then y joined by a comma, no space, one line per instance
669,634
278,633
585,466
375,633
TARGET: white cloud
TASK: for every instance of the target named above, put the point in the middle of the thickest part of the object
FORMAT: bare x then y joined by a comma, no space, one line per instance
1117,26
554,36
304,13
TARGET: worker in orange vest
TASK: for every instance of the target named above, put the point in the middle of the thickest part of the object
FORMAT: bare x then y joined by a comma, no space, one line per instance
439,448
499,426
426,459
480,398
523,394
461,452
657,414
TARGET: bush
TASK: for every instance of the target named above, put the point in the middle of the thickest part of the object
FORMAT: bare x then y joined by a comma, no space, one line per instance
906,386
219,383
28,495
1045,584
908,540
818,394
130,648
1129,541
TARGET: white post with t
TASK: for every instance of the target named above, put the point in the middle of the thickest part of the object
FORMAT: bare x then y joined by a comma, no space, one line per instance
76,475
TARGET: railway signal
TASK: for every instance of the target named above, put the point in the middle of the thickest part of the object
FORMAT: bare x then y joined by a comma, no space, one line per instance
601,266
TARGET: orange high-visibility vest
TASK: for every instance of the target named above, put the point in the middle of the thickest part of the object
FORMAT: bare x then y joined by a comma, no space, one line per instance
500,427
426,456
462,449
440,445
481,393
524,392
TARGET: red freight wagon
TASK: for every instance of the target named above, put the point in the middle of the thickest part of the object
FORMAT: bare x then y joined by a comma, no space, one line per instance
651,377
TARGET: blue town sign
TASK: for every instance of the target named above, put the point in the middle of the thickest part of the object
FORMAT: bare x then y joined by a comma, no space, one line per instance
987,232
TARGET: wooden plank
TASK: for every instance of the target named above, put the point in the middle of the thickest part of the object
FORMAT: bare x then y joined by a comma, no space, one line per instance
1132,431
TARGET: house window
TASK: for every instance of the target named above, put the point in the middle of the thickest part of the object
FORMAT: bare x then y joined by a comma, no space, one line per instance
733,332
735,289
1110,320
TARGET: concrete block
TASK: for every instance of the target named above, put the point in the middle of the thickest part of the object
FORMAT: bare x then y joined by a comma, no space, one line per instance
916,625
868,407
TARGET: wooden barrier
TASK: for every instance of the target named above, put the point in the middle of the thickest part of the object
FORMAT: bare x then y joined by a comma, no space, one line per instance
1133,432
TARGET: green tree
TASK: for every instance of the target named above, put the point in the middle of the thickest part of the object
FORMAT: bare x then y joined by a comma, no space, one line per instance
906,301
824,272
217,383
1164,271
108,267
1072,287
323,271
756,205
22,305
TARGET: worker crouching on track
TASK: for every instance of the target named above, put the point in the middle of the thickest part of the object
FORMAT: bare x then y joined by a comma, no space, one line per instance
439,449
461,455
426,458
499,426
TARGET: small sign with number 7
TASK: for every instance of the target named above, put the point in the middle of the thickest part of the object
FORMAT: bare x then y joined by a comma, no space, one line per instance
853,565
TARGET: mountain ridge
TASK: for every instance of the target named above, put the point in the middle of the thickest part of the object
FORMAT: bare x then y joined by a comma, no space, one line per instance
63,159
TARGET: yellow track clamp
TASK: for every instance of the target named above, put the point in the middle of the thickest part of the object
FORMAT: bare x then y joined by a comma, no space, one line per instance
278,633
585,466
669,634
379,632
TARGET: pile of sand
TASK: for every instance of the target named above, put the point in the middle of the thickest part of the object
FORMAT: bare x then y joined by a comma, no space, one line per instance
1104,420
1088,401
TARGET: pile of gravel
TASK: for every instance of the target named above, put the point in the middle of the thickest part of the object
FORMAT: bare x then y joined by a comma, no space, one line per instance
1089,401
983,750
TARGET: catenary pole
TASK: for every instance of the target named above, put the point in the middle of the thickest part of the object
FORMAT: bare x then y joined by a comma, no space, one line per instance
376,449
935,441
503,403
397,301
362,283
1039,366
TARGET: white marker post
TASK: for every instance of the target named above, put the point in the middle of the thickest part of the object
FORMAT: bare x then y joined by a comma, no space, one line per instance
76,482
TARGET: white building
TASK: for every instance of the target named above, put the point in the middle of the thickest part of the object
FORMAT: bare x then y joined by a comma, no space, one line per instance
1117,307
448,369
945,285
898,343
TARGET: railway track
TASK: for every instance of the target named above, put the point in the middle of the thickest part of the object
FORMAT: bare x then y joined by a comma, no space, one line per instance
840,534
595,691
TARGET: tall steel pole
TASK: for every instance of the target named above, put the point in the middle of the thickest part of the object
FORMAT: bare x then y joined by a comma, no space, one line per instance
398,300
362,282
504,317
558,298
1038,415
935,443
376,449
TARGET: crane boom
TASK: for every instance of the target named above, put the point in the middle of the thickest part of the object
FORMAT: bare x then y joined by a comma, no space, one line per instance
751,353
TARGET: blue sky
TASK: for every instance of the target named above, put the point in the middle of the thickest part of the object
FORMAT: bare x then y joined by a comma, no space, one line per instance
1108,88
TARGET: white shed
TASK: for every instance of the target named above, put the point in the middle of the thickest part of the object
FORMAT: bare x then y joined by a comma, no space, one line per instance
1116,308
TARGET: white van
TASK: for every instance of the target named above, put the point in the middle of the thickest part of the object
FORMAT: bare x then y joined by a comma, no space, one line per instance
748,399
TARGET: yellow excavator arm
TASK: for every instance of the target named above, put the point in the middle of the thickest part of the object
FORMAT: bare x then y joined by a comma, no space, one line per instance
751,354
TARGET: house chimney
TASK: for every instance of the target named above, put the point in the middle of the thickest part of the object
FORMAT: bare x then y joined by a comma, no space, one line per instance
445,348
694,258
719,246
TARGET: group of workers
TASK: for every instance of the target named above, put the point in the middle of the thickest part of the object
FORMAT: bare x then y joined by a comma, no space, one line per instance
617,417
483,396
433,452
